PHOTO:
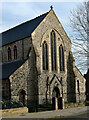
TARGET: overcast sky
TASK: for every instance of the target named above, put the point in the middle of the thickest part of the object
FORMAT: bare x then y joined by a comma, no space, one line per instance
14,13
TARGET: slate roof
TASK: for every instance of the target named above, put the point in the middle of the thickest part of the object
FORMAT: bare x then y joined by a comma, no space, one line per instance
9,67
21,31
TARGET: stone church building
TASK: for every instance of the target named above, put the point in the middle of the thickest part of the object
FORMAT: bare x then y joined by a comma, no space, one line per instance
37,63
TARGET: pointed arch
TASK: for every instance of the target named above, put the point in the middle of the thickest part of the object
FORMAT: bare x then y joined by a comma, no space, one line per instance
9,53
45,56
61,58
22,95
53,51
15,52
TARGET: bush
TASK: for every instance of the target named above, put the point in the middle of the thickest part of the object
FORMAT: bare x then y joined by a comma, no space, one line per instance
87,103
8,104
45,105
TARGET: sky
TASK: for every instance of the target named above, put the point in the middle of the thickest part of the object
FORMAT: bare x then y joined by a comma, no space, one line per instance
15,13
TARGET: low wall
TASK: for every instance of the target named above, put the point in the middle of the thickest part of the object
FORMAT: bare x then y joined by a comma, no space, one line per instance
72,105
14,111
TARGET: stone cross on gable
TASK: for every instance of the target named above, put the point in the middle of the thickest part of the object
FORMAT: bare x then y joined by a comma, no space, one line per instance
51,7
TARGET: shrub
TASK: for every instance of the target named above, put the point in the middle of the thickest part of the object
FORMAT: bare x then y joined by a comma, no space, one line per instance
45,105
87,103
11,104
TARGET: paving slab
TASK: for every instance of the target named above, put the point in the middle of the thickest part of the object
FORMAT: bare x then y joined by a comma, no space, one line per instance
54,113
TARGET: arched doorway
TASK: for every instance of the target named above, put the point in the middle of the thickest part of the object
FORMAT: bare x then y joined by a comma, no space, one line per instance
22,96
56,92
55,97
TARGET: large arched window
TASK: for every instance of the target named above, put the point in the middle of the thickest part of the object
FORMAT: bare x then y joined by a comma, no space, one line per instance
45,55
15,52
61,58
9,53
53,51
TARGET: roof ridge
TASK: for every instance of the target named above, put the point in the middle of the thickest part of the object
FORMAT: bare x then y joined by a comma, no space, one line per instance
24,22
22,30
79,70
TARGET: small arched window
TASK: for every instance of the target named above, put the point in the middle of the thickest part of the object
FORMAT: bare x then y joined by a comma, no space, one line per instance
53,51
22,95
61,58
45,55
15,52
9,53
63,67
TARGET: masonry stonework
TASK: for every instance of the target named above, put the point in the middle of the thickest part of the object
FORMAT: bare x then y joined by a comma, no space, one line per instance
38,84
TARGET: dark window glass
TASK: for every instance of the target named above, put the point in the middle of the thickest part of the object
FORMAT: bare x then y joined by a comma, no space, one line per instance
9,53
45,56
61,58
78,85
15,52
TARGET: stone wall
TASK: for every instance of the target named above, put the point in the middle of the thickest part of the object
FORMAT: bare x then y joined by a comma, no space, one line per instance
18,81
37,83
41,34
71,87
25,78
23,48
6,89
82,85
32,85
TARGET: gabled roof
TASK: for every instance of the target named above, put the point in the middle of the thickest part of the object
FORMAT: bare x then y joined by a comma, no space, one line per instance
21,31
10,67
79,71
53,79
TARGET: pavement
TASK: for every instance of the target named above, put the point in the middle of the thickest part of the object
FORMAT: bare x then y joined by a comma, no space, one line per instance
55,113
